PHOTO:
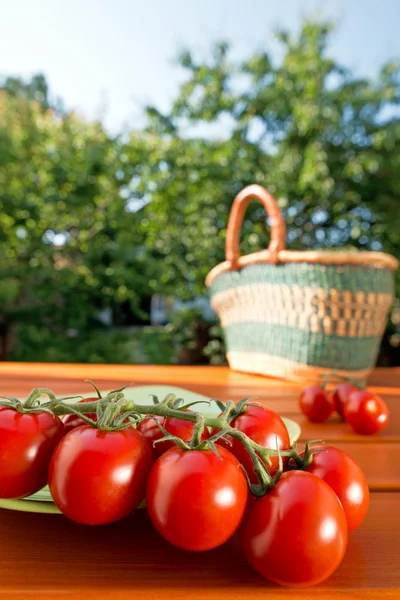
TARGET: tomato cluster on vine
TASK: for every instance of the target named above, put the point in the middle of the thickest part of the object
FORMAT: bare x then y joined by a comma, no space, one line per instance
364,411
203,479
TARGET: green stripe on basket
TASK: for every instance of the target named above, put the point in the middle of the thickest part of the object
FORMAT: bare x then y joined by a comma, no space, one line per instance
353,278
314,349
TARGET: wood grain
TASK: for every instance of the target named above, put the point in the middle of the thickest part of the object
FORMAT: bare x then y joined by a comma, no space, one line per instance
220,376
45,556
379,462
218,382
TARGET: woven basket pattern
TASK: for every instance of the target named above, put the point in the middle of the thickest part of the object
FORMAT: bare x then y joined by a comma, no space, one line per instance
293,313
302,320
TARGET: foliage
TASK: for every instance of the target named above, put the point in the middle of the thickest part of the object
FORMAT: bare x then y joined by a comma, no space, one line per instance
68,247
215,350
38,343
190,334
34,90
323,141
188,339
152,345
90,222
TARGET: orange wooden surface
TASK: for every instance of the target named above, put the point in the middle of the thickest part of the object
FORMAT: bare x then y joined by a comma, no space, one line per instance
48,556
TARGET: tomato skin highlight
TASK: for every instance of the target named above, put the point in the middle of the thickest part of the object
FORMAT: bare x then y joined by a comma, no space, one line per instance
73,421
316,404
366,412
182,429
98,477
296,535
195,499
27,441
264,427
347,480
341,396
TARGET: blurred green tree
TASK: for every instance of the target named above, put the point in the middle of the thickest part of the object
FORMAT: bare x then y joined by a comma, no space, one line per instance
325,142
90,221
68,242
35,89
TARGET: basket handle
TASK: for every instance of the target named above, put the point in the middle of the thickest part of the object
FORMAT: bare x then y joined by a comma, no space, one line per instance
239,206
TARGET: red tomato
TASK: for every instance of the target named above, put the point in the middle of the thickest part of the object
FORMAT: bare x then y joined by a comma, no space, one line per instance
296,534
366,413
264,427
316,404
73,421
341,395
96,476
182,429
346,479
196,499
27,441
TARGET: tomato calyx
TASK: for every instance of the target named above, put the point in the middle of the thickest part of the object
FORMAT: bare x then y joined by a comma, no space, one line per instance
171,407
171,401
231,411
115,412
266,481
10,402
96,389
300,463
196,442
32,403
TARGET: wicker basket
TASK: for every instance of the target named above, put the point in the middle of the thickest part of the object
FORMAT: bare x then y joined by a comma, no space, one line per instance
299,315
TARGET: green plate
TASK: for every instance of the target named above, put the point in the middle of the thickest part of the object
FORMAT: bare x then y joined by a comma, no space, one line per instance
42,502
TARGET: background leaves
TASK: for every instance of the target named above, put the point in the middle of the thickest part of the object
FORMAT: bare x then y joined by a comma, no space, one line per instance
90,221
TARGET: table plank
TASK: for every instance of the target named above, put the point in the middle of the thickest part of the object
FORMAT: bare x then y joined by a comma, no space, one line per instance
47,555
335,430
283,399
20,378
26,375
221,376
378,455
379,462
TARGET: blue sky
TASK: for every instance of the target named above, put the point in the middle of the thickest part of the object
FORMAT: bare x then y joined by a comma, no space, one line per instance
109,57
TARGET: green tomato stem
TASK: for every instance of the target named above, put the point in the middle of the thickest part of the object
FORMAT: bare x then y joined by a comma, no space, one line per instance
198,431
163,410
110,409
34,396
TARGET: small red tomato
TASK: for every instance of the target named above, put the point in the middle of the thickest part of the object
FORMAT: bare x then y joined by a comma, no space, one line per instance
366,413
182,429
316,404
264,427
341,395
296,534
27,441
196,499
73,421
98,477
346,479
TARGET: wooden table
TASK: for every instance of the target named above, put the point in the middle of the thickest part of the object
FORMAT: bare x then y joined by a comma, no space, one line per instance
46,556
